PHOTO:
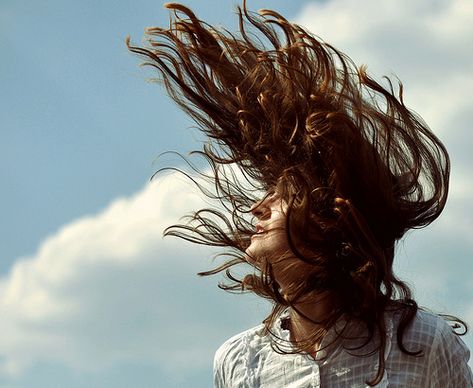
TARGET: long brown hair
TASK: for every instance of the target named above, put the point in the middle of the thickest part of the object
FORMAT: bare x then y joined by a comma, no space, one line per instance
356,167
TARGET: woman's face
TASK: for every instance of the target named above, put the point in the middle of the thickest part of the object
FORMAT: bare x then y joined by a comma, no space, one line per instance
269,243
269,240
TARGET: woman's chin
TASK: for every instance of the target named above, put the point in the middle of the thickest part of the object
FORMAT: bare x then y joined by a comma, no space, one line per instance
254,254
250,257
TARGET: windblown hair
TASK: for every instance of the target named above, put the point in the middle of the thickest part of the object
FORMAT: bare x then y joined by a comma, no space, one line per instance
356,167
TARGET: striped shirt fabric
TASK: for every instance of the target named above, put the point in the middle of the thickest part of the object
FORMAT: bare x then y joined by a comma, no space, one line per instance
247,360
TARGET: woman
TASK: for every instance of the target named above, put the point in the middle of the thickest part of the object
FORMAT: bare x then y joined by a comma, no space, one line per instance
346,169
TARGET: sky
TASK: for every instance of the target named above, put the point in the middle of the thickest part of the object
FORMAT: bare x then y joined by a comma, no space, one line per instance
90,293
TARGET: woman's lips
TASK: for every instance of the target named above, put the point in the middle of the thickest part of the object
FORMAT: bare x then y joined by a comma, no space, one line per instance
259,231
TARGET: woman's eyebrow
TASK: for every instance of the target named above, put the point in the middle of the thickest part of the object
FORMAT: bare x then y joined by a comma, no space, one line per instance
269,194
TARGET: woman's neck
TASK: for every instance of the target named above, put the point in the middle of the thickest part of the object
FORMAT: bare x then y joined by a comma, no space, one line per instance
307,318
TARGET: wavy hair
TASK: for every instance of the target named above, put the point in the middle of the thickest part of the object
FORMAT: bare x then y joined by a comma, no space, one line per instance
356,167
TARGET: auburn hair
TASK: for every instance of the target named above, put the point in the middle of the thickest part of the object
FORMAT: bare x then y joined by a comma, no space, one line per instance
292,113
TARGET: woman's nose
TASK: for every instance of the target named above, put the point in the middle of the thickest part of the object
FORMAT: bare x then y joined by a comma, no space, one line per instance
259,209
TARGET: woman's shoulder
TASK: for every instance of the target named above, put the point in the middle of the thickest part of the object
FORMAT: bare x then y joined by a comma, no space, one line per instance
239,343
442,358
425,329
233,358
440,334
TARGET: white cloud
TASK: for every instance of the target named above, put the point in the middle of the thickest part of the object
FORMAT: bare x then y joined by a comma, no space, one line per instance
108,288
425,43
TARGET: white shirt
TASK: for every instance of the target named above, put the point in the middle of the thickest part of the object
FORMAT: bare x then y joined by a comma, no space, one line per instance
248,361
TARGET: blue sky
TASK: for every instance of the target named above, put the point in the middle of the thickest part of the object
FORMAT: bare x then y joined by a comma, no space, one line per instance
90,295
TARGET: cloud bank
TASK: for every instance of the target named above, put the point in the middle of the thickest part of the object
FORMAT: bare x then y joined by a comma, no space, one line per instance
424,42
108,288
